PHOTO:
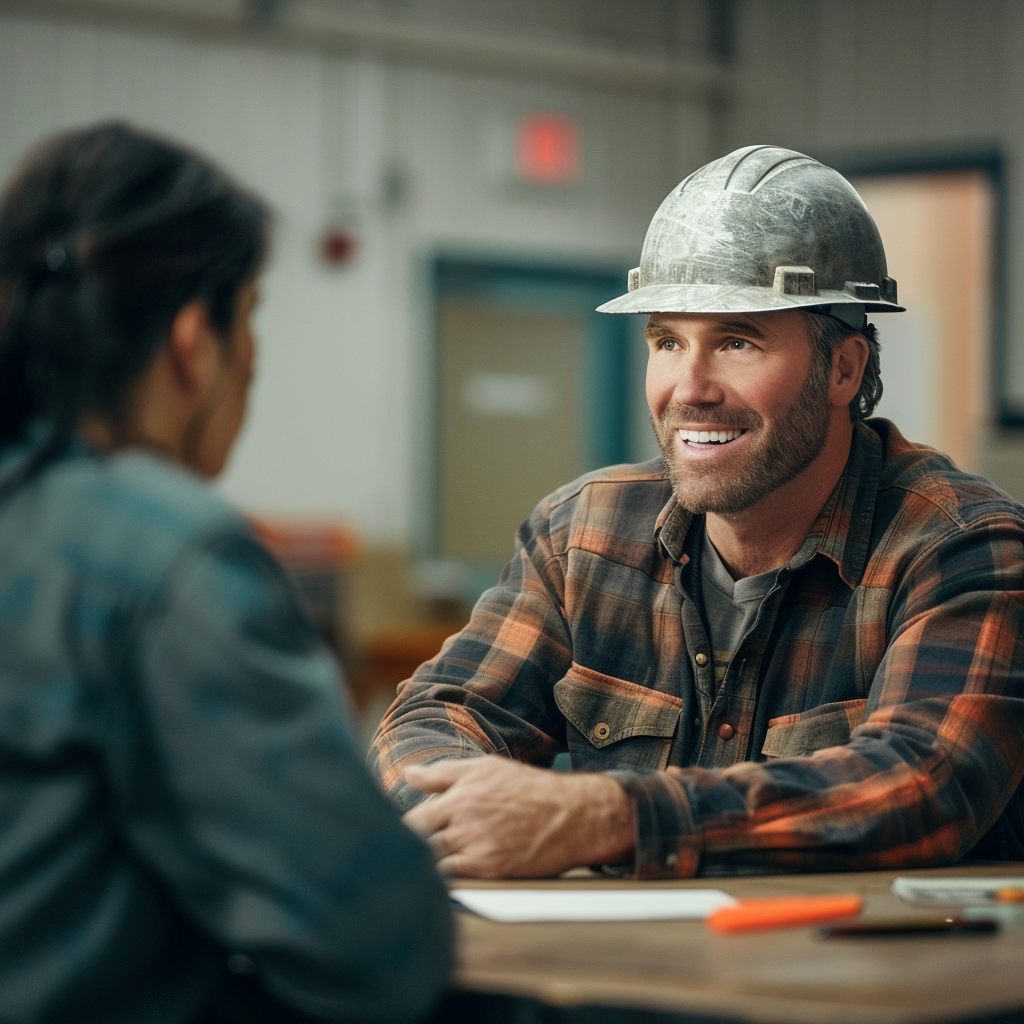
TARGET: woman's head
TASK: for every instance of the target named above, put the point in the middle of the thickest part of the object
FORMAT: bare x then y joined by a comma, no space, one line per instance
113,243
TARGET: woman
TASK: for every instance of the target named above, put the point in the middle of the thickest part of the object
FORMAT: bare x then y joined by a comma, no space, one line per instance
180,800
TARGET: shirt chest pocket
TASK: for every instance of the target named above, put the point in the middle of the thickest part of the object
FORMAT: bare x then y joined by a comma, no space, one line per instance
612,723
799,735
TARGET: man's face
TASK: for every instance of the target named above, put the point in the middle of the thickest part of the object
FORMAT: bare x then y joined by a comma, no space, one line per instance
739,404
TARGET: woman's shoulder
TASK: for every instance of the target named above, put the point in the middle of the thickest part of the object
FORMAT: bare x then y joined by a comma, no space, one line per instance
145,486
126,515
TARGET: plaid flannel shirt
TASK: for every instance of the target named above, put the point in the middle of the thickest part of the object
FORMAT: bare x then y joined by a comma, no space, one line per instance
872,717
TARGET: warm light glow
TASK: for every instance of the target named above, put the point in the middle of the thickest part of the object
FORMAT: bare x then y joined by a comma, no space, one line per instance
548,150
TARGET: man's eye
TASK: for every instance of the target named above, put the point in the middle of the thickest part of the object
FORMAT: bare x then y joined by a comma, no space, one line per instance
668,344
737,344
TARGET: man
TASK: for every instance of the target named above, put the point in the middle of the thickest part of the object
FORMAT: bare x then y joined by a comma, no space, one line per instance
791,644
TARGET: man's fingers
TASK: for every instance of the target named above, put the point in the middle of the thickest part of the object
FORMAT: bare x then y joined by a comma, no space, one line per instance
457,866
446,851
441,845
427,817
437,777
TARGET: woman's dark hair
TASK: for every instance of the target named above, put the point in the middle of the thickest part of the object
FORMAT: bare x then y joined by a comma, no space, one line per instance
105,233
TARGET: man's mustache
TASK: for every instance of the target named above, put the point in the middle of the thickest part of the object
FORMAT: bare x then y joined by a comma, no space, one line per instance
677,415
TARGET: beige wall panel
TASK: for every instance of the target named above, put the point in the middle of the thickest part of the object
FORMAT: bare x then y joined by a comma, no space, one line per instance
937,231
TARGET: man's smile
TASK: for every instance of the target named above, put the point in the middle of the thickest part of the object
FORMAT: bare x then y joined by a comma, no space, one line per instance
720,436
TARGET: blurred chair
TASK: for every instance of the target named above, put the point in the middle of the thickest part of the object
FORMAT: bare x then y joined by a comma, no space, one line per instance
318,556
368,604
397,623
391,653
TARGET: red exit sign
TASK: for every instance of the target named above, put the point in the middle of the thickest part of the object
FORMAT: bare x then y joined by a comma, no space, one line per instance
549,149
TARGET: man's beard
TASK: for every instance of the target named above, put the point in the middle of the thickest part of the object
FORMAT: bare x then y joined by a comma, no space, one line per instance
779,455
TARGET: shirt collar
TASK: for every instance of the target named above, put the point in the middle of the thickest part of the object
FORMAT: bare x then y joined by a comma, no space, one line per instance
672,527
842,531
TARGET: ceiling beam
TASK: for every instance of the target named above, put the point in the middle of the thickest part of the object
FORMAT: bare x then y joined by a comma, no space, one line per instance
321,29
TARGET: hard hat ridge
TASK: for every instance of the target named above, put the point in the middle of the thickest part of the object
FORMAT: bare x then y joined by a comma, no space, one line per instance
761,229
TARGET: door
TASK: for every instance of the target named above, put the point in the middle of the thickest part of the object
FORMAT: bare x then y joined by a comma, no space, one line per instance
938,229
534,389
509,415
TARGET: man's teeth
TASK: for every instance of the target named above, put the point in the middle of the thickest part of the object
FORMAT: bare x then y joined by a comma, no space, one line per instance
709,436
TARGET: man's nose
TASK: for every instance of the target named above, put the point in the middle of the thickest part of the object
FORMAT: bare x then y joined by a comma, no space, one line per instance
696,383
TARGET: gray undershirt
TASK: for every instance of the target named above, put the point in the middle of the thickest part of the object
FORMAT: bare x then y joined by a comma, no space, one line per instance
730,606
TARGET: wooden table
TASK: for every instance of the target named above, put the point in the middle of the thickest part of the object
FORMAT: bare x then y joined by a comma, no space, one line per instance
679,970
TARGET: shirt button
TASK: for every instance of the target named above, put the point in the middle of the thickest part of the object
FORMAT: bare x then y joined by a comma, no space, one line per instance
602,731
701,659
672,860
726,731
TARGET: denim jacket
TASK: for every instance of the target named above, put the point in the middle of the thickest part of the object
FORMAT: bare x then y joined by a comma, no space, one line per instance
178,786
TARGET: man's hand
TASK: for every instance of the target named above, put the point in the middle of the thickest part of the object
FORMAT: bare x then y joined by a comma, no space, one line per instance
496,818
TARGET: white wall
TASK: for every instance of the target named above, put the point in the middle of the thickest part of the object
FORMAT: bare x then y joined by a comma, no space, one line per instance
337,407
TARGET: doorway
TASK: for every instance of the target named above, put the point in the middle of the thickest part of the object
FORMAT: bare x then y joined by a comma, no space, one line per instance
939,229
534,388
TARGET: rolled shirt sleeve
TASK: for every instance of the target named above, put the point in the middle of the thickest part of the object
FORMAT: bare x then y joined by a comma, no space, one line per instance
489,691
240,786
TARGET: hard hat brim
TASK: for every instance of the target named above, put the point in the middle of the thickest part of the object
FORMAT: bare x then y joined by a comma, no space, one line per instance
717,298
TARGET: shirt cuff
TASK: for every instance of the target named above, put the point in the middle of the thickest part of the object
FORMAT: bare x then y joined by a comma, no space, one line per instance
668,842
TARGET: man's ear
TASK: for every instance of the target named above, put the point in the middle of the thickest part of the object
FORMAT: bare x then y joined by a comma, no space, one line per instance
192,348
849,359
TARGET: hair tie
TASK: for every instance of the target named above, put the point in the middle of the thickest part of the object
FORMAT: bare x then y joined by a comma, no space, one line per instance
58,255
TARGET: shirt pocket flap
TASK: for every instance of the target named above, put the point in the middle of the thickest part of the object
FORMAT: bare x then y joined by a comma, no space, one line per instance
828,725
606,709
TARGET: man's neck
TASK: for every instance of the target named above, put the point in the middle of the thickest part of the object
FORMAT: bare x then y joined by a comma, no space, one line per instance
767,535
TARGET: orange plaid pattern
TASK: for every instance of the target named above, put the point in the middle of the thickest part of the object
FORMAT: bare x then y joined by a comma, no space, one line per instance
873,716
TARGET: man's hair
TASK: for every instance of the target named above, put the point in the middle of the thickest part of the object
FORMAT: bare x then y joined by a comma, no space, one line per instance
826,332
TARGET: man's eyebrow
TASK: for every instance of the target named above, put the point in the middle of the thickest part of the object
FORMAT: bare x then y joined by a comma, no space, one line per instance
655,328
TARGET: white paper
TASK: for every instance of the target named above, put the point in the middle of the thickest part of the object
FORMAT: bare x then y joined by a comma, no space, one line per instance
522,905
952,890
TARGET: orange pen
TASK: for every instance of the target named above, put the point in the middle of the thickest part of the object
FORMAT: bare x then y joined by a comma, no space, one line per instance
783,912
